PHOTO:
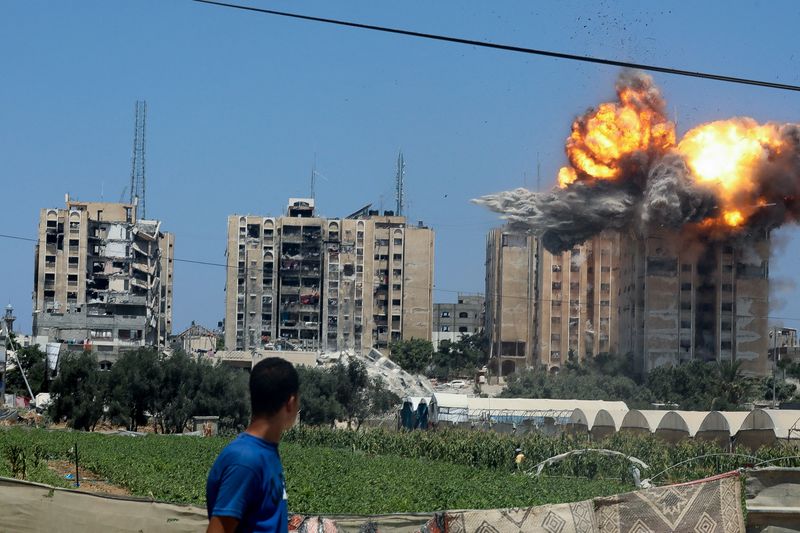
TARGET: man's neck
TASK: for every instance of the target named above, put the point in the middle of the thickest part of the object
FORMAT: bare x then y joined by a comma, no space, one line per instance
266,429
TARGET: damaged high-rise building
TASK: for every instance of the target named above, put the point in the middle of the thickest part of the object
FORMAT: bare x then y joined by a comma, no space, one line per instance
682,299
103,279
327,283
545,308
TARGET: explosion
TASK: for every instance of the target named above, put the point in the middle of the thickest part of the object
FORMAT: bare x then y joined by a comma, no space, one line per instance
626,171
604,138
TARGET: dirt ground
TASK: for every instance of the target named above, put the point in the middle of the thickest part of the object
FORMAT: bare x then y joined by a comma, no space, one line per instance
90,481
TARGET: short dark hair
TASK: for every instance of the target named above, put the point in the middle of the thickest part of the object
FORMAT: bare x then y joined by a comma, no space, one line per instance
272,382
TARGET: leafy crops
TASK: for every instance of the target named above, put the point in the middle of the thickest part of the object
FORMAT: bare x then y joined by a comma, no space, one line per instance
370,472
493,450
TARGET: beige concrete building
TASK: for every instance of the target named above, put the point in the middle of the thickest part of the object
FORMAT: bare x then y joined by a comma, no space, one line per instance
327,284
453,321
511,270
195,340
103,278
576,307
681,301
542,308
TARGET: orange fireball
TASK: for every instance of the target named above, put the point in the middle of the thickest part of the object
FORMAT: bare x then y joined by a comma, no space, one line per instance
602,138
725,156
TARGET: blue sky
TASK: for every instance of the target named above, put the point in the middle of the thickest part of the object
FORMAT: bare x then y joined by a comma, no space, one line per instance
239,105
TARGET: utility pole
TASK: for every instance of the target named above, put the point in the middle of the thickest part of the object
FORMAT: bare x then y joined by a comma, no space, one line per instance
138,188
774,364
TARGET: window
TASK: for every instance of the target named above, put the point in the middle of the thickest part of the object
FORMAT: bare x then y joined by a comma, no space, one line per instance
727,306
445,328
445,314
556,285
686,286
686,305
686,324
725,345
686,267
727,287
604,303
462,329
515,241
463,314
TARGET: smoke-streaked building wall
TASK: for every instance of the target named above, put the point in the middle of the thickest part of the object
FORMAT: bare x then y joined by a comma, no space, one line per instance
680,302
577,301
511,270
327,283
103,279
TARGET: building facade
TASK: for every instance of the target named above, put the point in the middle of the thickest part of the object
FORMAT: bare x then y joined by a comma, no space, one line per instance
103,279
576,306
195,340
681,300
327,284
452,321
511,271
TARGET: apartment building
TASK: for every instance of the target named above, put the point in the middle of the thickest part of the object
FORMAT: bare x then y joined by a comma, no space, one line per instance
576,307
511,271
327,284
544,308
682,300
453,320
103,279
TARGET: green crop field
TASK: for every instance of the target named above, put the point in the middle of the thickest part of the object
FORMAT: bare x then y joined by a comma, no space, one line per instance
337,472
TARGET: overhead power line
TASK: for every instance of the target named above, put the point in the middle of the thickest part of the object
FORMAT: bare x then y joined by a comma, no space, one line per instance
511,48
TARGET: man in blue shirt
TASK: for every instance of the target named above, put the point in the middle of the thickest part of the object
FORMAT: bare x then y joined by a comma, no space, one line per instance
246,489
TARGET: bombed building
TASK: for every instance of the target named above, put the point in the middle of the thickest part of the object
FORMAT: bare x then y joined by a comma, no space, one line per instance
545,308
327,284
680,302
694,216
103,279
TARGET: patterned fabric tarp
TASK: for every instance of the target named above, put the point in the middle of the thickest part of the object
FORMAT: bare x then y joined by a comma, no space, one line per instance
707,506
564,518
710,505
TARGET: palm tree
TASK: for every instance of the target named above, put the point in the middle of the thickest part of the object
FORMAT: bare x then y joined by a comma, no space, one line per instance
734,386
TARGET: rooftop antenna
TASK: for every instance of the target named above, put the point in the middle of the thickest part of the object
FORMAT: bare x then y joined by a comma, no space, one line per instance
313,176
137,159
398,185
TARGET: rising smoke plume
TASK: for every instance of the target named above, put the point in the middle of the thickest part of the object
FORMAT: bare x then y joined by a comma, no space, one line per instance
723,179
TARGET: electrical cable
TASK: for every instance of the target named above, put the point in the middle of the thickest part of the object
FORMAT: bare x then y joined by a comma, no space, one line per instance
510,48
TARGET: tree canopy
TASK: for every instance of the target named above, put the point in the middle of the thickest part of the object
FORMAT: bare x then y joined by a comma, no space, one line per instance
343,391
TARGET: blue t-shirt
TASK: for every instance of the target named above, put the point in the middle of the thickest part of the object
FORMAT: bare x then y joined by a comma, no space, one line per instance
246,482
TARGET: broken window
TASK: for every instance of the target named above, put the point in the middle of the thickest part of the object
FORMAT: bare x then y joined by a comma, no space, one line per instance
657,266
514,241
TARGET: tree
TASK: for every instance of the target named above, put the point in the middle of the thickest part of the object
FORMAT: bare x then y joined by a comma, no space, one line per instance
734,388
134,383
459,358
344,392
580,381
412,355
223,392
175,400
318,403
78,391
34,363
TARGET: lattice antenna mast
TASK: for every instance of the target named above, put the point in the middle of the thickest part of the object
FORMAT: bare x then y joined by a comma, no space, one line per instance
138,188
399,192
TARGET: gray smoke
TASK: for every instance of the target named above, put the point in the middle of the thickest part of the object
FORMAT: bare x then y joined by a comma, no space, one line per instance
670,196
563,218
